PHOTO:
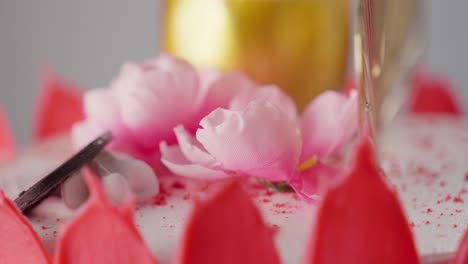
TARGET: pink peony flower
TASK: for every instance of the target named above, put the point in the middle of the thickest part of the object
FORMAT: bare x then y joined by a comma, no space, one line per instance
146,101
264,138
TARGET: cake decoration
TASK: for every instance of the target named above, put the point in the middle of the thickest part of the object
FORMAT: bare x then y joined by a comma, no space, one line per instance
7,141
462,253
101,233
431,94
18,241
59,107
146,101
228,229
210,125
361,220
265,141
39,191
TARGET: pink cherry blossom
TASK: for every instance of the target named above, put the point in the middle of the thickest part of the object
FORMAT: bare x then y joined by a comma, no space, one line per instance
263,138
147,100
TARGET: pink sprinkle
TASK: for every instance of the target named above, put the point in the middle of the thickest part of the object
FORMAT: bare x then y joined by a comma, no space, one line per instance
438,225
455,225
280,205
448,198
458,211
265,200
441,214
466,176
442,184
451,214
44,227
57,219
186,197
412,224
426,222
429,210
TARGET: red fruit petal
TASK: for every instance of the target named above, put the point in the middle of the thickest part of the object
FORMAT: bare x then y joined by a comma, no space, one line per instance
101,233
59,107
7,142
361,220
227,229
18,241
432,95
462,254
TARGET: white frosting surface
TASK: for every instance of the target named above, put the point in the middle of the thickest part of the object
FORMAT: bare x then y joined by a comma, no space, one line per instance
425,160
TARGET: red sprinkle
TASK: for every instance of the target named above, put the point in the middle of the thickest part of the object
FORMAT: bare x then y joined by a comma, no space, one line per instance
455,225
275,228
466,176
426,222
44,227
160,199
412,224
458,200
458,211
429,210
178,185
280,205
448,198
265,200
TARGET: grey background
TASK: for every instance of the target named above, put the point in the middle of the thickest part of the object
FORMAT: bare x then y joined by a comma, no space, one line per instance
85,41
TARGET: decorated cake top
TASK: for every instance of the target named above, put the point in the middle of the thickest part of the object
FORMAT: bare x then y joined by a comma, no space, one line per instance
225,129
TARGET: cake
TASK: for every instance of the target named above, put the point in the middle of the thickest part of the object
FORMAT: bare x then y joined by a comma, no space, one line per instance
416,209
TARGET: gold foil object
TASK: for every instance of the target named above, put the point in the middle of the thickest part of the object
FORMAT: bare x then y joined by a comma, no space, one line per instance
300,45
388,45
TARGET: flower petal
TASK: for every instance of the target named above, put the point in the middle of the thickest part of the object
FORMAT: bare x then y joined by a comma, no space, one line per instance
18,241
140,178
176,162
218,89
433,95
270,93
328,123
361,219
221,230
243,142
312,183
58,108
155,97
101,233
192,149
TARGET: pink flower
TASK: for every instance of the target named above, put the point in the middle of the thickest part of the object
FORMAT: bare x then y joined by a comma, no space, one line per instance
263,138
146,101
235,143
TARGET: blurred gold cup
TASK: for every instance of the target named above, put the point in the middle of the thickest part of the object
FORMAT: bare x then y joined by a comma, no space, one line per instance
300,45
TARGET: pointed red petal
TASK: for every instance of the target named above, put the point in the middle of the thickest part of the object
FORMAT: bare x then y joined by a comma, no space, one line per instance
59,107
227,229
361,220
433,95
17,237
101,233
7,142
462,254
